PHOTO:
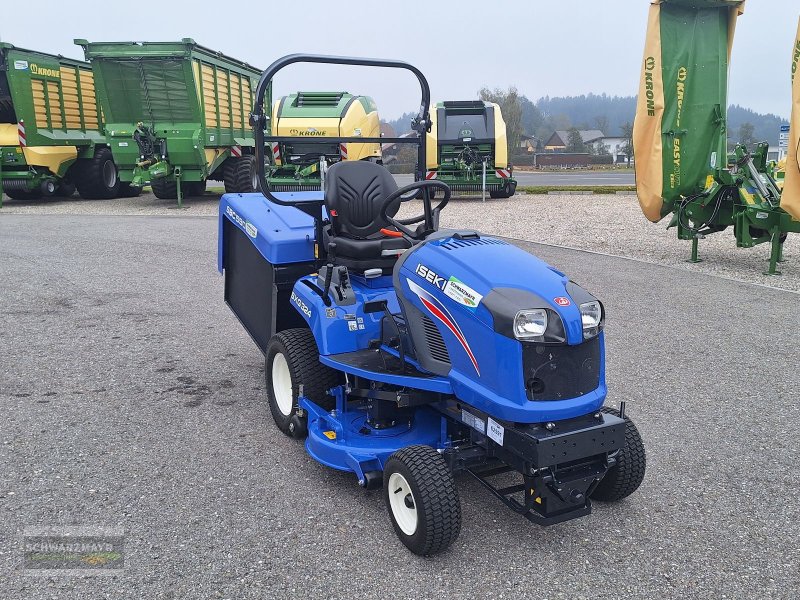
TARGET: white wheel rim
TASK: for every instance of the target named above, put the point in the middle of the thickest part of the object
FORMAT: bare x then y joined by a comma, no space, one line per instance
282,384
400,496
109,174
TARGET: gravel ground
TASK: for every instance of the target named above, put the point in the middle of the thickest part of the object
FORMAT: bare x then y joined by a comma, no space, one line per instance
132,397
610,224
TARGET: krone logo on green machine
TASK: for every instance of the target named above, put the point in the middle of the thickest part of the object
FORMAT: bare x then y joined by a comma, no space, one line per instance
680,89
44,71
649,66
310,132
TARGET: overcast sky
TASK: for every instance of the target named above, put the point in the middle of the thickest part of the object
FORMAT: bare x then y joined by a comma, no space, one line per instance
544,47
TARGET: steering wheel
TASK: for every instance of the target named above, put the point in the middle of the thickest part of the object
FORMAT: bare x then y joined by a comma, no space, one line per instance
431,215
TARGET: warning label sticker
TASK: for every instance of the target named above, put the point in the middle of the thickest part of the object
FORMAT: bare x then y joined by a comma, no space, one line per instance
473,421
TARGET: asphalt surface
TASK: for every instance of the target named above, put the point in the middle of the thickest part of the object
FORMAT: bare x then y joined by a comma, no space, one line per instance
558,178
131,396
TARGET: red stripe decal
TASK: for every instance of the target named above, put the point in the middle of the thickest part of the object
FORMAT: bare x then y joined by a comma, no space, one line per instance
449,324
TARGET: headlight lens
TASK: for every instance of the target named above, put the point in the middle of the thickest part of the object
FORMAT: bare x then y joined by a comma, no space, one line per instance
530,324
591,317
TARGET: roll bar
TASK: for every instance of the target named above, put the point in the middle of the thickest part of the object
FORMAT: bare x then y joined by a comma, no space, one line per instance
258,120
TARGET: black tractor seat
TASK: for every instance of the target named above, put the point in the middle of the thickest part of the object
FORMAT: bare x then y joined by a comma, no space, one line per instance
354,194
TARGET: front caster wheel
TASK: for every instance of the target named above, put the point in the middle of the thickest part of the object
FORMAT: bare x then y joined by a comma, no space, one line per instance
422,499
626,476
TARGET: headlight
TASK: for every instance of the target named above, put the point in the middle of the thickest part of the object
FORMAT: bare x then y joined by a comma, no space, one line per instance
530,324
591,318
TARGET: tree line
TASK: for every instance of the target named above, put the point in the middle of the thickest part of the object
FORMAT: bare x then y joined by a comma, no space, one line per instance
613,115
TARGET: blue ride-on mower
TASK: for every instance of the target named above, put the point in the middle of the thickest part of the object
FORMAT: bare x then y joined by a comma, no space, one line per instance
405,353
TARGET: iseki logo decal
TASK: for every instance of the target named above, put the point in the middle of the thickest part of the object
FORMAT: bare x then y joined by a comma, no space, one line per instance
452,287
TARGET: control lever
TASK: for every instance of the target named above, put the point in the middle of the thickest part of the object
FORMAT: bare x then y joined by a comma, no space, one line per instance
329,271
374,306
344,282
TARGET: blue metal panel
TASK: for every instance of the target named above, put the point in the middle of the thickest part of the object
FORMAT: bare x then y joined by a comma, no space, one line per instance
282,234
336,439
486,366
340,329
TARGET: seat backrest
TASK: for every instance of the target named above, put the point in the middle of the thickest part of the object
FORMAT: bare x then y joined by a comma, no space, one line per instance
354,193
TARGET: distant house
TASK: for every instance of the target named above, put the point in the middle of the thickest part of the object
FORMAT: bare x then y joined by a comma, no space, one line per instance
614,146
560,139
528,143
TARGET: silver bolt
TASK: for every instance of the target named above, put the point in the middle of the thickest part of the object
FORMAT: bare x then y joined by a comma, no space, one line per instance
550,426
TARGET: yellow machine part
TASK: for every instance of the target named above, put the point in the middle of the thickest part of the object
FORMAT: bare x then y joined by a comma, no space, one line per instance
212,154
500,140
355,122
356,118
50,157
431,149
8,134
647,131
790,197
311,127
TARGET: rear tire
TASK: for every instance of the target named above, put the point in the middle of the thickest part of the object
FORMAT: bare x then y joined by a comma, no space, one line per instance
293,360
240,175
194,188
164,189
626,476
422,500
128,190
167,189
98,177
23,194
66,189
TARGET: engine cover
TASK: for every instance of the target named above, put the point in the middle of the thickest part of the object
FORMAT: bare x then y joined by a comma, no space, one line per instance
460,292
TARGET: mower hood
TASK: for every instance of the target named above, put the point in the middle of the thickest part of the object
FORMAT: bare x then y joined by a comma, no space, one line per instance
460,294
491,280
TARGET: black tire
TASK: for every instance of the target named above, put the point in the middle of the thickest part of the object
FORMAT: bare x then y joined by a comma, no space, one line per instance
49,187
98,177
433,496
506,191
240,174
167,189
298,348
626,476
65,189
128,190
194,188
23,194
164,189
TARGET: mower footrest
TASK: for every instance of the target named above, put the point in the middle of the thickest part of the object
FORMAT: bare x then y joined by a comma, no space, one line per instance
540,504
